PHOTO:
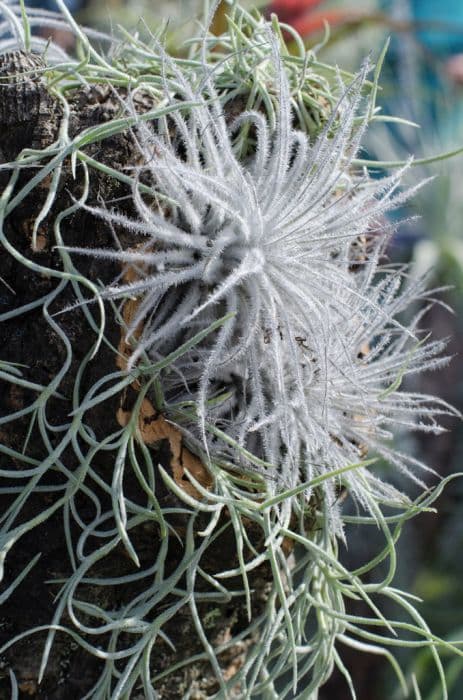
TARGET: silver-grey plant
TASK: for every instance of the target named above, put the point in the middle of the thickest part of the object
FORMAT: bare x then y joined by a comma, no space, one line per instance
289,243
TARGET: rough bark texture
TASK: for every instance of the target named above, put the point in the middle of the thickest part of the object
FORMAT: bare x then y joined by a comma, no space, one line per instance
29,117
28,113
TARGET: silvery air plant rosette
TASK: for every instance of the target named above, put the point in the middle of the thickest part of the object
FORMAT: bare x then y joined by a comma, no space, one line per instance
262,322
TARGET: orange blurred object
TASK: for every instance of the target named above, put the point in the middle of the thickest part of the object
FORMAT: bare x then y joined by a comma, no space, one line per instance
300,15
313,22
288,9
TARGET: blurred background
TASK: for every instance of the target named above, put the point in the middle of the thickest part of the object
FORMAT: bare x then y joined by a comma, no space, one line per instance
422,82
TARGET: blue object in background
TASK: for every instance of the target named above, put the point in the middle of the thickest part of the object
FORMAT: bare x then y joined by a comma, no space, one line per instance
441,40
72,5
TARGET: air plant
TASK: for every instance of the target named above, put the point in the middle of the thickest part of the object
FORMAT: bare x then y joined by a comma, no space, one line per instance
268,331
307,370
